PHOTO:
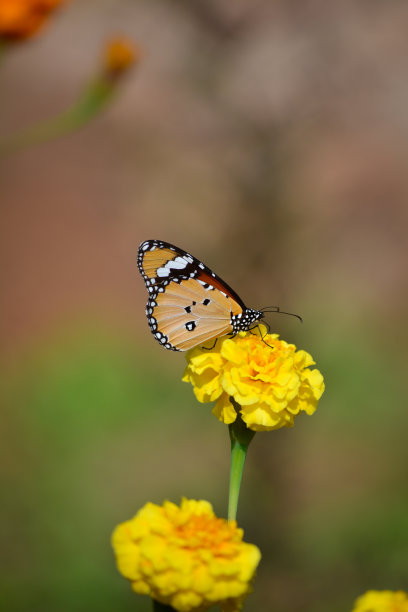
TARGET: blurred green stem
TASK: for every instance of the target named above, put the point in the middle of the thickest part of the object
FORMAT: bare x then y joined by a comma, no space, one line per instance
90,104
159,607
240,437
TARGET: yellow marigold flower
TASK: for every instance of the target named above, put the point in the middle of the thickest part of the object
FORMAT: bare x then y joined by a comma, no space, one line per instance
21,19
120,54
185,556
270,380
382,601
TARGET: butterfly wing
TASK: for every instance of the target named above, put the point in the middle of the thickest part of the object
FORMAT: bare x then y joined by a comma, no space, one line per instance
188,304
186,316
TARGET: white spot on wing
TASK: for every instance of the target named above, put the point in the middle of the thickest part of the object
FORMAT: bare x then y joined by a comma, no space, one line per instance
163,272
179,263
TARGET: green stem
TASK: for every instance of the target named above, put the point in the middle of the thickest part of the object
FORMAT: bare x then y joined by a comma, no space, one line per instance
240,437
159,607
93,100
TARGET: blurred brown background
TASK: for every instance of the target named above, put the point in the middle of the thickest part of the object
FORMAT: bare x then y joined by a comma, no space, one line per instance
270,139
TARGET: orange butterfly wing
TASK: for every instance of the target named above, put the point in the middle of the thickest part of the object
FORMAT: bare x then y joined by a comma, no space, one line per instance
188,315
188,304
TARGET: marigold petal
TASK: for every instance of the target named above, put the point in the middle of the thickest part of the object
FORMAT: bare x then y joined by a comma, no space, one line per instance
203,582
202,361
232,352
227,382
303,359
128,564
224,410
279,393
166,584
207,386
184,602
261,419
286,377
316,382
252,556
139,586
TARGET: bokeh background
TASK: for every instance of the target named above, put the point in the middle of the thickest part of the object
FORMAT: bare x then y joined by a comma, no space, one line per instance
270,139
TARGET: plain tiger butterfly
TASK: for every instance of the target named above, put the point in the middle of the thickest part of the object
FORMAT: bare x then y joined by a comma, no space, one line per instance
188,304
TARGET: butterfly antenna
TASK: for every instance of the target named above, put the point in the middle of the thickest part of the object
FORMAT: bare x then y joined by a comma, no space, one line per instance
277,309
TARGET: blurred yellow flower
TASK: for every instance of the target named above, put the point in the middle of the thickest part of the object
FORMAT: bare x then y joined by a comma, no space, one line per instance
120,54
185,556
21,19
268,378
382,601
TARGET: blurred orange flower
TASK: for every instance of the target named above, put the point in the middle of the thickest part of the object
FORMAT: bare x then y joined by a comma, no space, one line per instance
120,54
21,19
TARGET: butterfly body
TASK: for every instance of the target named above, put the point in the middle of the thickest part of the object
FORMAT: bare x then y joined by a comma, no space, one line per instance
188,304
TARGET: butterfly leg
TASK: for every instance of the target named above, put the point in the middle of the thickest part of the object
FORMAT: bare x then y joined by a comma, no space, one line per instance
209,348
263,336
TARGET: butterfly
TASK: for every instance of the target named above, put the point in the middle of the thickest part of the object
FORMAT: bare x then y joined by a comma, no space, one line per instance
188,304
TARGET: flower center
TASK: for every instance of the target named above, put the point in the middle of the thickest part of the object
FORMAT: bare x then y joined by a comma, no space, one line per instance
205,532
